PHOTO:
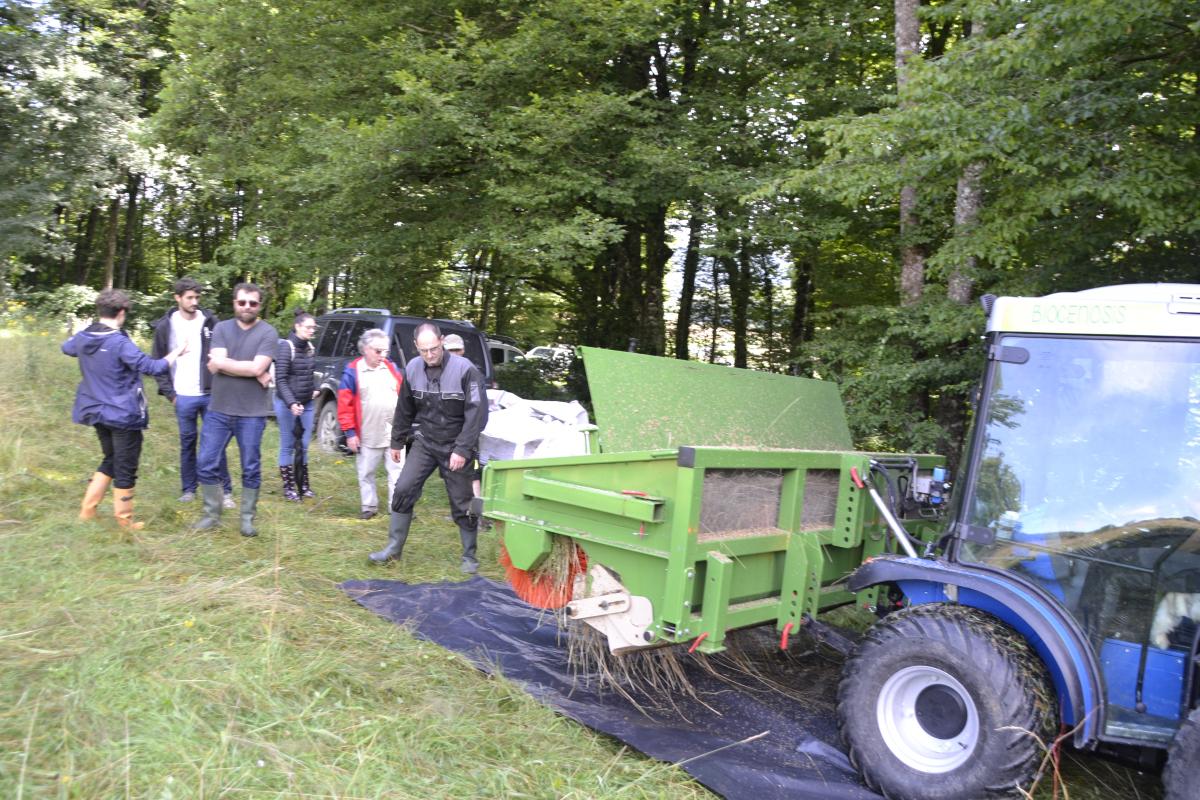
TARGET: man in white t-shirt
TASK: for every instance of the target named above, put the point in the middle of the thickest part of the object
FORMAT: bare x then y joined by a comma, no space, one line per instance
366,404
189,383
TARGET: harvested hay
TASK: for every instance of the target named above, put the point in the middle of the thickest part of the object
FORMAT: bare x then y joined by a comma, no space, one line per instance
550,584
651,678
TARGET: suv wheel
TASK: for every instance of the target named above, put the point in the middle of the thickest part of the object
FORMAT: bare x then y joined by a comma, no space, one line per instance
329,433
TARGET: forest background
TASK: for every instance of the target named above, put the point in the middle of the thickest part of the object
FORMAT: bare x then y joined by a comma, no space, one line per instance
825,187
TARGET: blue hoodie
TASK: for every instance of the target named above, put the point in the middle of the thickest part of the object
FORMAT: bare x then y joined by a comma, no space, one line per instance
112,366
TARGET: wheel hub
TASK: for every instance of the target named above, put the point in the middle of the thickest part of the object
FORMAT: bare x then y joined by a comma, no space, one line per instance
941,712
928,719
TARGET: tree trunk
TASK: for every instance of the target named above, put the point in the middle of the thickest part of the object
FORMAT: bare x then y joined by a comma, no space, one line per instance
654,332
716,309
687,292
912,255
133,187
739,301
768,295
967,202
802,287
83,246
110,243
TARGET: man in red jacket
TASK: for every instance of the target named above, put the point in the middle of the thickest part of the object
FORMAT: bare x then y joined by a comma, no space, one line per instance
366,403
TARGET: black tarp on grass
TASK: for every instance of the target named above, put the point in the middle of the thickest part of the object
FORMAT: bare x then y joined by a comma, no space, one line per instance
795,754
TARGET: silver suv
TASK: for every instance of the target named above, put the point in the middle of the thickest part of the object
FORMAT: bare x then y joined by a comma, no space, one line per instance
337,345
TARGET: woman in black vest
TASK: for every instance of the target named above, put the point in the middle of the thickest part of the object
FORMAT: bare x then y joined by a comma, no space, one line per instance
295,390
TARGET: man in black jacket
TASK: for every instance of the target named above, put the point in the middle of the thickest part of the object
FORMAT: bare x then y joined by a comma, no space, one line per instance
189,382
442,408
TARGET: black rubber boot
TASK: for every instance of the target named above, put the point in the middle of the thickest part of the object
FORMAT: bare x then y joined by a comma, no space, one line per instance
470,564
289,483
302,482
249,507
397,534
213,498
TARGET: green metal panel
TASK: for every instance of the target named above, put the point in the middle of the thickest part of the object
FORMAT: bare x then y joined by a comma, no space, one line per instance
646,402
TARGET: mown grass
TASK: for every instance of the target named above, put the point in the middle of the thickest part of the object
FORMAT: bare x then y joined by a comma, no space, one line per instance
170,664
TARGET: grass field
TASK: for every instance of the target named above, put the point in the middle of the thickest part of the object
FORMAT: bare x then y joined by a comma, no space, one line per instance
170,664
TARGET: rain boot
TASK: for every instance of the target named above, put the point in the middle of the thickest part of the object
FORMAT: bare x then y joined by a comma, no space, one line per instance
249,506
397,534
470,564
289,483
123,508
302,481
213,503
94,494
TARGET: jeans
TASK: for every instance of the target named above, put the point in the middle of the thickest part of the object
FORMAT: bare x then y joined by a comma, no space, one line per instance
122,450
188,413
287,432
214,438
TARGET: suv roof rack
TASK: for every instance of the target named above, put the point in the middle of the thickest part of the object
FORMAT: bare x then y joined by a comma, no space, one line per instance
355,310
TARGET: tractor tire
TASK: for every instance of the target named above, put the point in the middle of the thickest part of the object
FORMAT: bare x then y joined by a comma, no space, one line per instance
945,702
1183,761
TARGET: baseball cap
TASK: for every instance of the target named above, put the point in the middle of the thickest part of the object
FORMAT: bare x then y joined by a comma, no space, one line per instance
453,342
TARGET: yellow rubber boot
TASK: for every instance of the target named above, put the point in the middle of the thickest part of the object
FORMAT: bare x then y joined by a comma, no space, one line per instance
94,494
123,508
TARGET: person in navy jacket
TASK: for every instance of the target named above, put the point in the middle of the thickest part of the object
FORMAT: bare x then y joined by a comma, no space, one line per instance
110,399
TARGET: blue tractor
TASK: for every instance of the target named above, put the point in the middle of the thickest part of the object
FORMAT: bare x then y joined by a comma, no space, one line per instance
1062,600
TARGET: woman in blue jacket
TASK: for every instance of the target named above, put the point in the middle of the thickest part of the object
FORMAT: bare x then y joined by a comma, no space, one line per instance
110,399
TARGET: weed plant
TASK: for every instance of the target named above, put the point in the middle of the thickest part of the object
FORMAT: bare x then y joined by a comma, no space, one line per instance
171,664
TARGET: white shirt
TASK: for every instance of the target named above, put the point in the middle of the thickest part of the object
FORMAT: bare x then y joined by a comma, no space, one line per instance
377,393
185,374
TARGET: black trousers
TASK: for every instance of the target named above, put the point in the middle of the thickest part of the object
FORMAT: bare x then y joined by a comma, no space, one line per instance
419,464
122,451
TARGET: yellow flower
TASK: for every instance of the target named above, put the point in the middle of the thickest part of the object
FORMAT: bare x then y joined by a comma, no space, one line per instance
187,623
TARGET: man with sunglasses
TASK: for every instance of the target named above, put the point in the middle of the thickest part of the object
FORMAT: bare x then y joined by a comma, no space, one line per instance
240,360
365,405
442,408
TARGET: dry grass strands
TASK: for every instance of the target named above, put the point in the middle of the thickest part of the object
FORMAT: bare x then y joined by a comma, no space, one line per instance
652,678
550,584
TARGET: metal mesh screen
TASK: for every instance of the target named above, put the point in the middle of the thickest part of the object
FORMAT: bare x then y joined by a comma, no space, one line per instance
739,502
820,498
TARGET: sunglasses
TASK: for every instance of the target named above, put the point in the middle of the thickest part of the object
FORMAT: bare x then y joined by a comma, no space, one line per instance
427,350
248,303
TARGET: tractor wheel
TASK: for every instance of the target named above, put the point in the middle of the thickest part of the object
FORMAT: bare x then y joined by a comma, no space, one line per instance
1183,761
945,702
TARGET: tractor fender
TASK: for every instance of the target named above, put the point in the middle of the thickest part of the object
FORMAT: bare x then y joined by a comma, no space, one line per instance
1052,632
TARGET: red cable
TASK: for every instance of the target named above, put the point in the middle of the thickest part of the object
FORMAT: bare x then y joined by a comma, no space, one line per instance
783,639
696,643
854,477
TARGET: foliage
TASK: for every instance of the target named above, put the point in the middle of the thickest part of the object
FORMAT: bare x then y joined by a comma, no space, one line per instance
1082,114
534,378
906,373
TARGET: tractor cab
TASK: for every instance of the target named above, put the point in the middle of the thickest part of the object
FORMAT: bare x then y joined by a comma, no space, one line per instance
1082,483
1068,588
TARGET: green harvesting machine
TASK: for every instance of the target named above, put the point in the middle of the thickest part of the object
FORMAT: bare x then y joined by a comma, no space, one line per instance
714,499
